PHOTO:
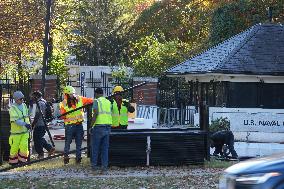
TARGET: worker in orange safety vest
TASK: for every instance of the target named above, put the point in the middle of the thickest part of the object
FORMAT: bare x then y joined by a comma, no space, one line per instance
73,121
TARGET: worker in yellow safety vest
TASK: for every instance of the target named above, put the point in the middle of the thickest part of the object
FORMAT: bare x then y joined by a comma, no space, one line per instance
73,121
100,131
20,127
120,110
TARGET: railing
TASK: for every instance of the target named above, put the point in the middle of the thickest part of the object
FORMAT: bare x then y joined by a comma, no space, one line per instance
167,117
85,83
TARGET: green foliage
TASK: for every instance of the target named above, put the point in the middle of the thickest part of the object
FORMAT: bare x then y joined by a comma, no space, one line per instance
152,55
57,66
232,18
100,27
219,124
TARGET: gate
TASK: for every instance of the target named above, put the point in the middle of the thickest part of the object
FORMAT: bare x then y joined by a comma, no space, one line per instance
9,85
85,83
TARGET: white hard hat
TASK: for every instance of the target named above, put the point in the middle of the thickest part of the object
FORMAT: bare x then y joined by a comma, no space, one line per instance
18,95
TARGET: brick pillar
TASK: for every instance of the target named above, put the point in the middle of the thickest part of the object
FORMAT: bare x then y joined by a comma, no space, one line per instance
50,85
146,94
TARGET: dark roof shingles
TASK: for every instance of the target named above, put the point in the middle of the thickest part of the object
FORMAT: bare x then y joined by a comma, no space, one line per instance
258,50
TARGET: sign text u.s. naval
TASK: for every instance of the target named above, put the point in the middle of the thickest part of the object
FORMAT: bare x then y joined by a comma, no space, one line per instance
252,121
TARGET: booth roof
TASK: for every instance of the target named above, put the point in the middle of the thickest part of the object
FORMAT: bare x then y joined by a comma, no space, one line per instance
258,50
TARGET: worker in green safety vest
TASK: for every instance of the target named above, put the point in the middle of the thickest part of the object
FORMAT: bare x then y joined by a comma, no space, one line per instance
100,131
20,127
120,110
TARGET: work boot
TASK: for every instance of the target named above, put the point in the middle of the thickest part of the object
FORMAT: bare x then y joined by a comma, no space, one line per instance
51,151
96,170
78,160
104,171
40,156
66,160
13,164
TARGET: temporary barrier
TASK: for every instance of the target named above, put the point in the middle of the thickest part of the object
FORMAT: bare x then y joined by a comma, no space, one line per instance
158,146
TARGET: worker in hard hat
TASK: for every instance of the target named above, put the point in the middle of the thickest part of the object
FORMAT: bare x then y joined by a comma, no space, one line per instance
73,121
20,127
120,110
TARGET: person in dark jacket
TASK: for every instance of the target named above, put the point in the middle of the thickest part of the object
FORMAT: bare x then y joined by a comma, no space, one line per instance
38,126
219,139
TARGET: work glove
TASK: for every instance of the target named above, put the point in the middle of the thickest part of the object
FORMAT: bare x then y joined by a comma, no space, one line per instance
28,126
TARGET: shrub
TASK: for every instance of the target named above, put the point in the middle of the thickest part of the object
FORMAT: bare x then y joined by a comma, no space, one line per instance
219,124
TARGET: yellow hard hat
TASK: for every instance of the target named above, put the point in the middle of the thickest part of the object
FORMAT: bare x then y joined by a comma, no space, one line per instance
117,88
69,90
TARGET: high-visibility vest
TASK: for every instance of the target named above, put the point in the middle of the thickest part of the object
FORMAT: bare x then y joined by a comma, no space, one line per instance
15,114
74,117
119,117
104,112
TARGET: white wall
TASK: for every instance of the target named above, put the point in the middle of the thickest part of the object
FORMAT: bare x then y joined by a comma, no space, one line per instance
253,124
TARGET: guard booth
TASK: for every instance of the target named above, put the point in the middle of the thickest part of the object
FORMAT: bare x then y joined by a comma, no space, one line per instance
242,79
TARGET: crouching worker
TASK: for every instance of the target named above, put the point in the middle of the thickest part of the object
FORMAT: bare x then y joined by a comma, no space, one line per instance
219,138
20,127
100,131
73,121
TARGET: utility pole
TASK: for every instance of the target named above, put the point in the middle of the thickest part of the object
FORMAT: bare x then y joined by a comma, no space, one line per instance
45,45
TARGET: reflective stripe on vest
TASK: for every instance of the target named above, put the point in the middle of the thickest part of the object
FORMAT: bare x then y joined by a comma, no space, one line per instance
74,117
104,112
16,114
119,118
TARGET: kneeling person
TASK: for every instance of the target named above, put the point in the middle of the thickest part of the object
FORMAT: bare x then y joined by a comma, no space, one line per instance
219,138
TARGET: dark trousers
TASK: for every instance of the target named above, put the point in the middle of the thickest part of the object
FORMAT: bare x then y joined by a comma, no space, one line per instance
39,140
100,145
232,150
76,132
228,141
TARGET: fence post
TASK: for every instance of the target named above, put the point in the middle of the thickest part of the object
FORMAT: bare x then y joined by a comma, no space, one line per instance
89,120
204,126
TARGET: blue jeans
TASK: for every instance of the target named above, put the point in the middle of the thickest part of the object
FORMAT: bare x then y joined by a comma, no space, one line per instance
100,145
39,140
77,132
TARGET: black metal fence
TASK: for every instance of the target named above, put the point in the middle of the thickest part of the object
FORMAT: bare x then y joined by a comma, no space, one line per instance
9,85
172,92
86,83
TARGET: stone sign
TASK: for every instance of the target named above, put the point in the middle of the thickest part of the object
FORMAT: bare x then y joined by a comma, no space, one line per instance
246,120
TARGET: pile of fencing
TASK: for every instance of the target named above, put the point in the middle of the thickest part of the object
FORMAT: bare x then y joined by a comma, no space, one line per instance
167,117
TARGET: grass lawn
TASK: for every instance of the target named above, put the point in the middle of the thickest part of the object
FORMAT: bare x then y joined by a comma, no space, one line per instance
53,174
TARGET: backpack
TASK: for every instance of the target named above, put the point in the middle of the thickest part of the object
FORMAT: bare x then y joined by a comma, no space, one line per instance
48,112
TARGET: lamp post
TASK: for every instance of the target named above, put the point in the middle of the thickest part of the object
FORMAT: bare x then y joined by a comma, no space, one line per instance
45,45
